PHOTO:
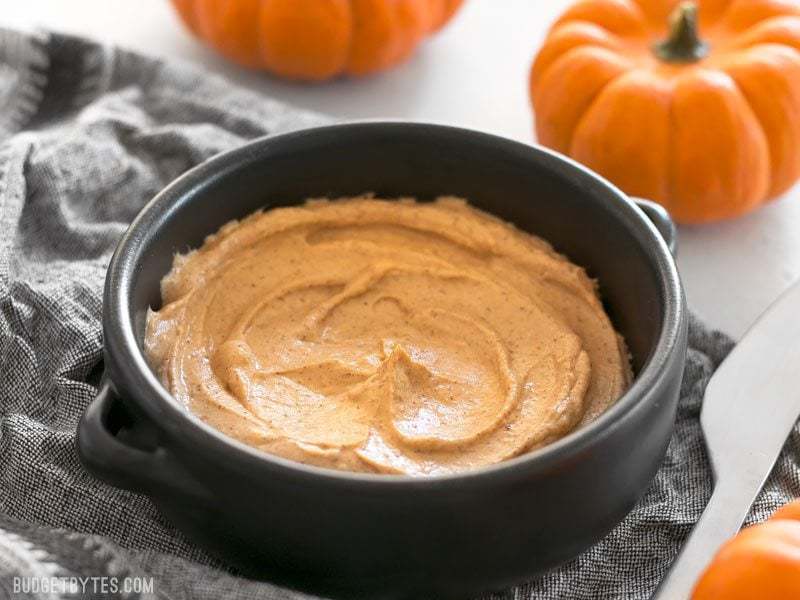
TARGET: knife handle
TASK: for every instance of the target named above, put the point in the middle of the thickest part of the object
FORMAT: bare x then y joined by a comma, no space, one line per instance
721,520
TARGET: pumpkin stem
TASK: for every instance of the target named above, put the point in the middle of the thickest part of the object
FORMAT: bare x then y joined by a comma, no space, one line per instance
683,44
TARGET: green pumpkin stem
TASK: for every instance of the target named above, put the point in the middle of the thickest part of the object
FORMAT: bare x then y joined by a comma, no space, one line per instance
683,44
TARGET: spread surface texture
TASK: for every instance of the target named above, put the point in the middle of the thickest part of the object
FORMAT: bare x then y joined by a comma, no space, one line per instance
385,336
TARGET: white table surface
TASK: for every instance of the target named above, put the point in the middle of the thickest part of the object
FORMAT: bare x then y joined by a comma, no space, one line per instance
472,74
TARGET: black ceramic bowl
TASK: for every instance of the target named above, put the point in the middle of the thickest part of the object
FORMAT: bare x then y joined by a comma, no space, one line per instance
349,534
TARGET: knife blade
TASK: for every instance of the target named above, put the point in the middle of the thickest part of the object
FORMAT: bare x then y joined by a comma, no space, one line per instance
751,405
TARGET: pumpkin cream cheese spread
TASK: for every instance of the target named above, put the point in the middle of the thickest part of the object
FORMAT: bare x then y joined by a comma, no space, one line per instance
385,336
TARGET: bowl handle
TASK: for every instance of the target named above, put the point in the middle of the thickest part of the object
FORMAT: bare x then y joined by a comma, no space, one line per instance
103,451
659,216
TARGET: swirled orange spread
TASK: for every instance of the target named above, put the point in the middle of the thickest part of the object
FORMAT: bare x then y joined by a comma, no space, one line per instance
385,336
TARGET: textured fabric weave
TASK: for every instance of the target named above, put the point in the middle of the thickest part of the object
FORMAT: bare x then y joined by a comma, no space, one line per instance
88,134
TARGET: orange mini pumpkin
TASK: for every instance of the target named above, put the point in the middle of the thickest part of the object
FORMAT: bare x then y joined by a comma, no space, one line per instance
762,561
315,39
699,111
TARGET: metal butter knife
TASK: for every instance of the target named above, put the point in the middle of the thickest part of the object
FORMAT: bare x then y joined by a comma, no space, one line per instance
751,404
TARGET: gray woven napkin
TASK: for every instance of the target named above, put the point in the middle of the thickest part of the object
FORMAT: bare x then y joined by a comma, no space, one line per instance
87,135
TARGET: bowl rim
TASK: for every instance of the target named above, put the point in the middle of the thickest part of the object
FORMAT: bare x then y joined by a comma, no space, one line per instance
132,377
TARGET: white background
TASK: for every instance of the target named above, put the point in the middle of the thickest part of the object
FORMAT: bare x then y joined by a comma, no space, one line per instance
472,74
